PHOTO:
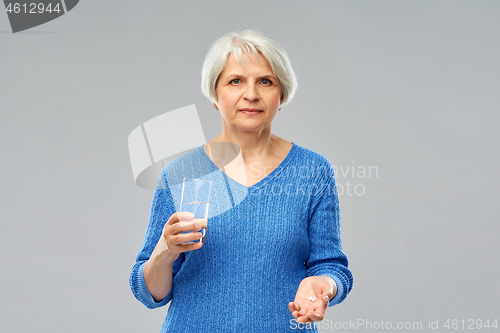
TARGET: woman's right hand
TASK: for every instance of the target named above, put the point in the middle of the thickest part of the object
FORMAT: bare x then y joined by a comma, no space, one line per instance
173,241
158,268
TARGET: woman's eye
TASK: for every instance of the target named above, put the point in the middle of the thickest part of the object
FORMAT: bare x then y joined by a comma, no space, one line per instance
235,81
266,82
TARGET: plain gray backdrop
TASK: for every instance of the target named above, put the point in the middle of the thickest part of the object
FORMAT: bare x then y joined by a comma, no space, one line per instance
410,88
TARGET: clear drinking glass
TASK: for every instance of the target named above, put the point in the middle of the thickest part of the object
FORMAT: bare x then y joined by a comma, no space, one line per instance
196,199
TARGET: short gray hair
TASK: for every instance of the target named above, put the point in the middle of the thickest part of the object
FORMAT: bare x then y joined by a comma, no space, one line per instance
247,41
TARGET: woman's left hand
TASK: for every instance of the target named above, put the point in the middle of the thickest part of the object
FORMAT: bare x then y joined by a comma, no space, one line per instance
320,288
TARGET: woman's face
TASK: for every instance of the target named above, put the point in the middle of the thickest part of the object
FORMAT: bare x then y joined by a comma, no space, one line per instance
241,90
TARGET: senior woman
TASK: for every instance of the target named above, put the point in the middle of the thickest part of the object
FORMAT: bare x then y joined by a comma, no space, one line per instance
273,260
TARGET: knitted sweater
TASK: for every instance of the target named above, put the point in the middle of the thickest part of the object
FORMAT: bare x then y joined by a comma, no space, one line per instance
261,242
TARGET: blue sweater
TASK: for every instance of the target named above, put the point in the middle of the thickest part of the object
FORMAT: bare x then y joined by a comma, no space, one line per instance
260,243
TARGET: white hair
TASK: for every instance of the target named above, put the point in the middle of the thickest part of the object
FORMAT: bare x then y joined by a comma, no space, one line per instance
246,41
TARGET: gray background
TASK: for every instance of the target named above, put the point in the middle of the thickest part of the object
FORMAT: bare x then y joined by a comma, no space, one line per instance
411,87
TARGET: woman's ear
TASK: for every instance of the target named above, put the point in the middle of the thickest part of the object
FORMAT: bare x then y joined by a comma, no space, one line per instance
215,106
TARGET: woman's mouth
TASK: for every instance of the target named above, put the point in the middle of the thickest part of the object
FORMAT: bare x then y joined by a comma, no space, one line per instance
250,112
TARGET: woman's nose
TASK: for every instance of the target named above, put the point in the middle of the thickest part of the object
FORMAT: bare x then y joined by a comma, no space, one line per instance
251,92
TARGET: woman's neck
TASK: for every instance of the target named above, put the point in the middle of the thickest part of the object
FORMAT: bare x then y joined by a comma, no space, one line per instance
253,145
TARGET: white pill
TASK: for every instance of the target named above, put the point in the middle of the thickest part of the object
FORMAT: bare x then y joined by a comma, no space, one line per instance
312,298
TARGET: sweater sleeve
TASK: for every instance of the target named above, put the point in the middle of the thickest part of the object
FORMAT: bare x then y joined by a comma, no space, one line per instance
326,256
162,207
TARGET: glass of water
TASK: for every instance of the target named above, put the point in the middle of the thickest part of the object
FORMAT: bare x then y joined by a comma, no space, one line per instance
196,199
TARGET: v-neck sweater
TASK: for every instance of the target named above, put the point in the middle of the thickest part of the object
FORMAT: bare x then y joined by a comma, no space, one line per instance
261,242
